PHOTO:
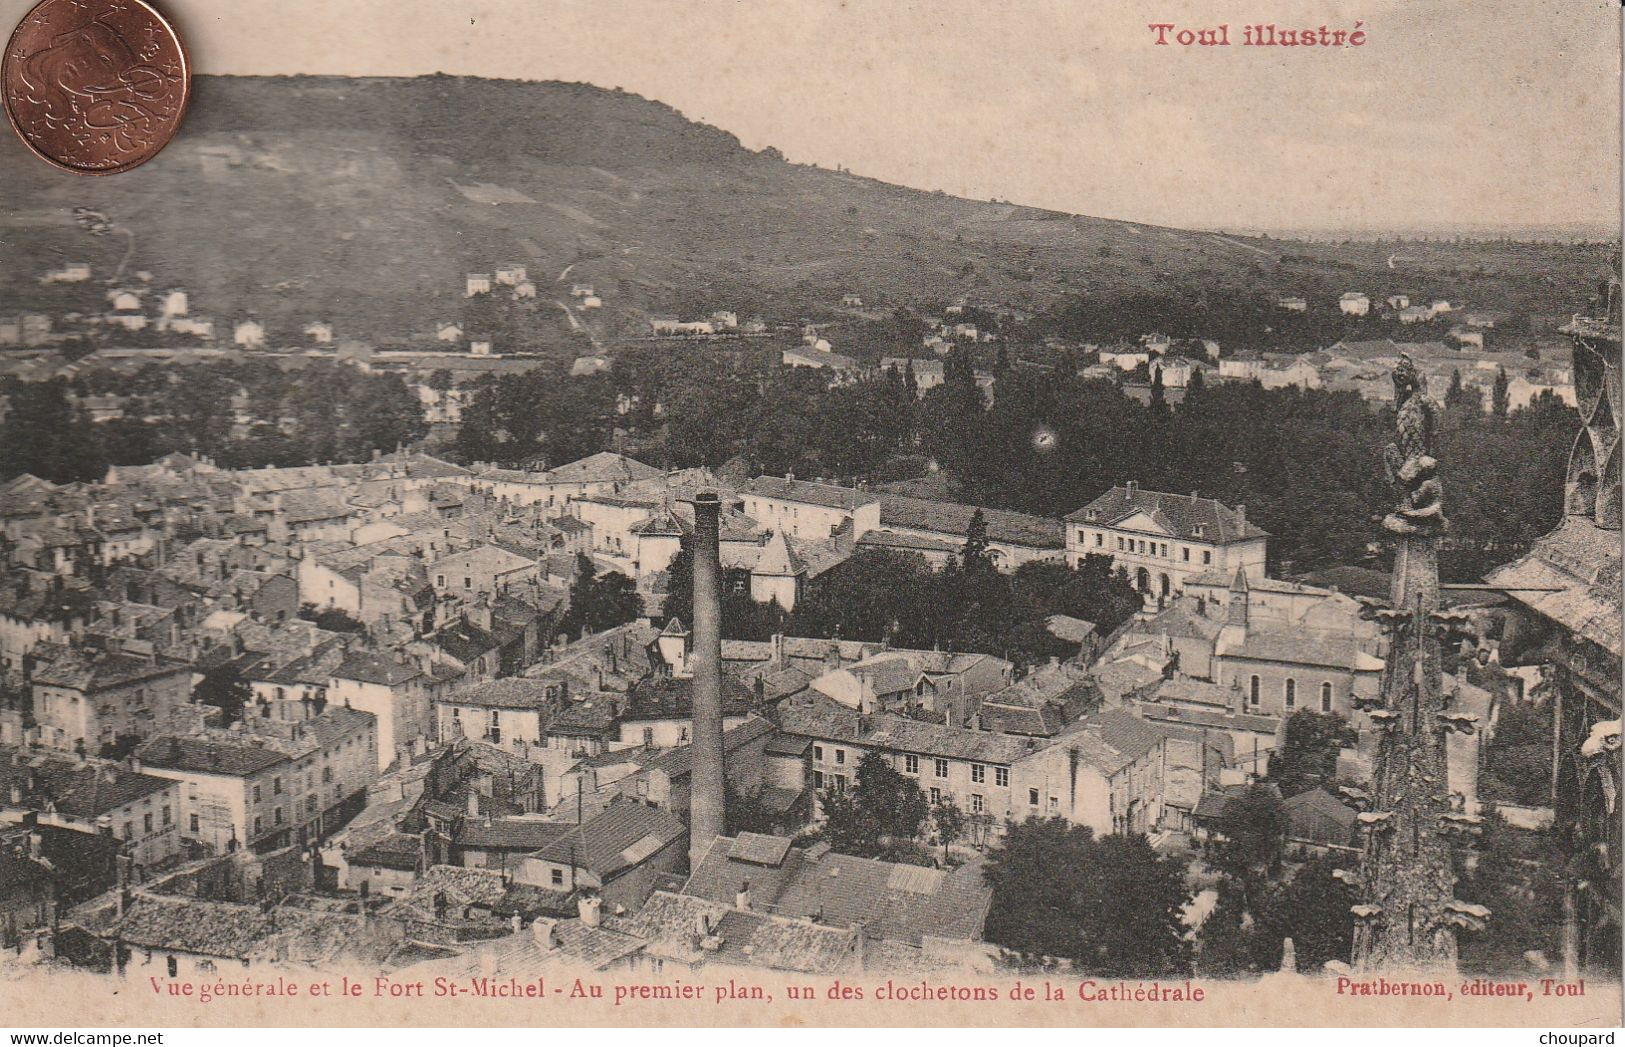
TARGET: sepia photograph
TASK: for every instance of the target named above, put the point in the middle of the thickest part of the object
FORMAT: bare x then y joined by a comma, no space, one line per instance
1207,610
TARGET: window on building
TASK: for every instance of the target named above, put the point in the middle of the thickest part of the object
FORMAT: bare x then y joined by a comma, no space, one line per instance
1100,539
259,825
256,794
278,816
1253,691
936,796
1185,553
191,823
1291,693
818,752
1207,556
276,786
327,774
911,764
1326,697
840,755
440,581
468,583
146,822
978,773
557,877
942,768
977,803
1054,803
818,780
649,737
839,783
166,814
1001,777
1032,797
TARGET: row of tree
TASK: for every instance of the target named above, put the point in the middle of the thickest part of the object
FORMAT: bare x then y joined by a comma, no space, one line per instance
879,595
242,414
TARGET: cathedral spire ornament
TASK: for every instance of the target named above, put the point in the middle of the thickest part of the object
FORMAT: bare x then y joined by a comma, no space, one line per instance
1407,917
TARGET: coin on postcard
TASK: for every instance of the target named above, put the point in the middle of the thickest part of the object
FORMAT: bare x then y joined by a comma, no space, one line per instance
95,86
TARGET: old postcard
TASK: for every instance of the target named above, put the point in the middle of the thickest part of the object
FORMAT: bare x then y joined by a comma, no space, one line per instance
832,512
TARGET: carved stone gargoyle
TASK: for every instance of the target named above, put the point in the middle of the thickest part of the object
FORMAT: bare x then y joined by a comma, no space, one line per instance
1365,704
1376,821
1385,719
1464,723
1461,825
1465,915
1358,797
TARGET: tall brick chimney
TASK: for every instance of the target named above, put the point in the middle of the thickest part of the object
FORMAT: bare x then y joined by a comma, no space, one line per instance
707,816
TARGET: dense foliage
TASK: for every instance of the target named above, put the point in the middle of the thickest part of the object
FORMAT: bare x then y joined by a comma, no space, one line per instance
244,414
600,600
881,812
1112,905
879,595
1308,755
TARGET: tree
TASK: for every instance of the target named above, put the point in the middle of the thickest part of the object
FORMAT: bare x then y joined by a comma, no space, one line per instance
1254,830
973,555
224,688
1313,909
1113,905
1519,876
882,809
600,601
1308,755
1498,395
332,619
950,823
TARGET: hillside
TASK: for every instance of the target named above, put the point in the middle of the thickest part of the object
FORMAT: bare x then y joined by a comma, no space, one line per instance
365,201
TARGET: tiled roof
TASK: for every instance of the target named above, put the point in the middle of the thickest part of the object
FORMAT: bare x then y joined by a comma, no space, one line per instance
824,719
510,834
398,851
677,761
176,752
83,670
1582,562
521,955
1316,816
1302,647
1181,514
464,640
667,921
953,519
624,835
662,697
896,902
81,792
908,542
603,467
367,667
809,492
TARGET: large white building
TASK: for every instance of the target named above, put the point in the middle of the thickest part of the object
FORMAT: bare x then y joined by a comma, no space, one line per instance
1162,540
808,510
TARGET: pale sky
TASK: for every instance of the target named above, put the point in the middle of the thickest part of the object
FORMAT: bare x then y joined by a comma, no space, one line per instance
1454,112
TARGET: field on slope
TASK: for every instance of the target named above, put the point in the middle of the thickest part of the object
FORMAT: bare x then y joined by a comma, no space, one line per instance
364,202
